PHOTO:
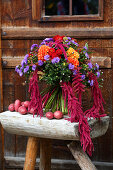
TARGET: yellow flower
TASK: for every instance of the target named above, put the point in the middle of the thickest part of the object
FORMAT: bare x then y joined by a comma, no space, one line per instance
72,53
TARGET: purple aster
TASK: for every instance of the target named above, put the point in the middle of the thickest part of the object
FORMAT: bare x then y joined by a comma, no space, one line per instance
69,38
26,69
75,43
40,62
74,72
85,48
90,65
98,74
82,76
68,43
17,69
22,62
34,45
34,67
71,66
48,39
20,73
46,57
55,60
97,66
86,54
43,43
26,56
91,82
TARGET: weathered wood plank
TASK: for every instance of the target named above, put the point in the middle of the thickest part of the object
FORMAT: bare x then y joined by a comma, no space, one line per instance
103,62
81,157
61,129
12,62
38,33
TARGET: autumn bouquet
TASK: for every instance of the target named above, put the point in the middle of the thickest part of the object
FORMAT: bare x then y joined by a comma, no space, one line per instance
68,72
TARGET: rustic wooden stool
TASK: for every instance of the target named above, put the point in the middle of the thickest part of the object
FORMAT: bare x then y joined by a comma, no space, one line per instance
44,130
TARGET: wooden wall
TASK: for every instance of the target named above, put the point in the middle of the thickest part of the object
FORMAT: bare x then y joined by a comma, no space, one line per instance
19,32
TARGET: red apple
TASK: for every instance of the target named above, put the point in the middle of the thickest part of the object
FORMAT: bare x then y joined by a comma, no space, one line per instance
17,104
58,114
49,115
11,107
22,110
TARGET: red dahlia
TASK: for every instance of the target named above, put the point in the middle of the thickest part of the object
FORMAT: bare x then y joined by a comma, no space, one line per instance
58,37
59,52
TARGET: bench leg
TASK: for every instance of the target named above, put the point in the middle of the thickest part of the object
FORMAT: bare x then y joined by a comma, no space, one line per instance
45,154
31,153
81,157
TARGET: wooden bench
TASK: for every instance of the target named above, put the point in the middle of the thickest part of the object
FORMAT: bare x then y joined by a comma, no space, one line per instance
44,130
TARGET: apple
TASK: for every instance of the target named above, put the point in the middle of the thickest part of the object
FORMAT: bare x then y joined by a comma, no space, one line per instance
22,110
49,115
58,114
11,107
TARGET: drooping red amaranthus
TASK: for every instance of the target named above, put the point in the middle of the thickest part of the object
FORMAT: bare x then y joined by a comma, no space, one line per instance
76,115
36,101
78,86
97,99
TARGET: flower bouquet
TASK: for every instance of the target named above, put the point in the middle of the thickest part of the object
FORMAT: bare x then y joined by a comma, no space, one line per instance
68,72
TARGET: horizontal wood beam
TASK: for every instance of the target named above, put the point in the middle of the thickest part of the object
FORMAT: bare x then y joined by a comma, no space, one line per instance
39,33
12,62
18,162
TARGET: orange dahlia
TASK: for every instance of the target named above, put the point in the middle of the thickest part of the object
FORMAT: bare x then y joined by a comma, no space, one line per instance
73,61
43,50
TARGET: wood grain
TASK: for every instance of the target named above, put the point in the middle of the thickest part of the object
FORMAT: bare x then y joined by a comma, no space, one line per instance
81,157
31,153
45,154
38,33
61,129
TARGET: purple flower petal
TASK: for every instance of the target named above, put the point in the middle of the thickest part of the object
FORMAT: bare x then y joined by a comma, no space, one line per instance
48,39
20,73
26,69
97,66
74,72
75,43
43,43
71,66
98,74
34,67
17,69
68,43
91,82
46,57
90,65
34,45
83,76
55,60
40,62
26,56
86,54
85,48
69,38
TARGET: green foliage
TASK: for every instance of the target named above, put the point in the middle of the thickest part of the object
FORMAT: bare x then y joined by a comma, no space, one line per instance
55,73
